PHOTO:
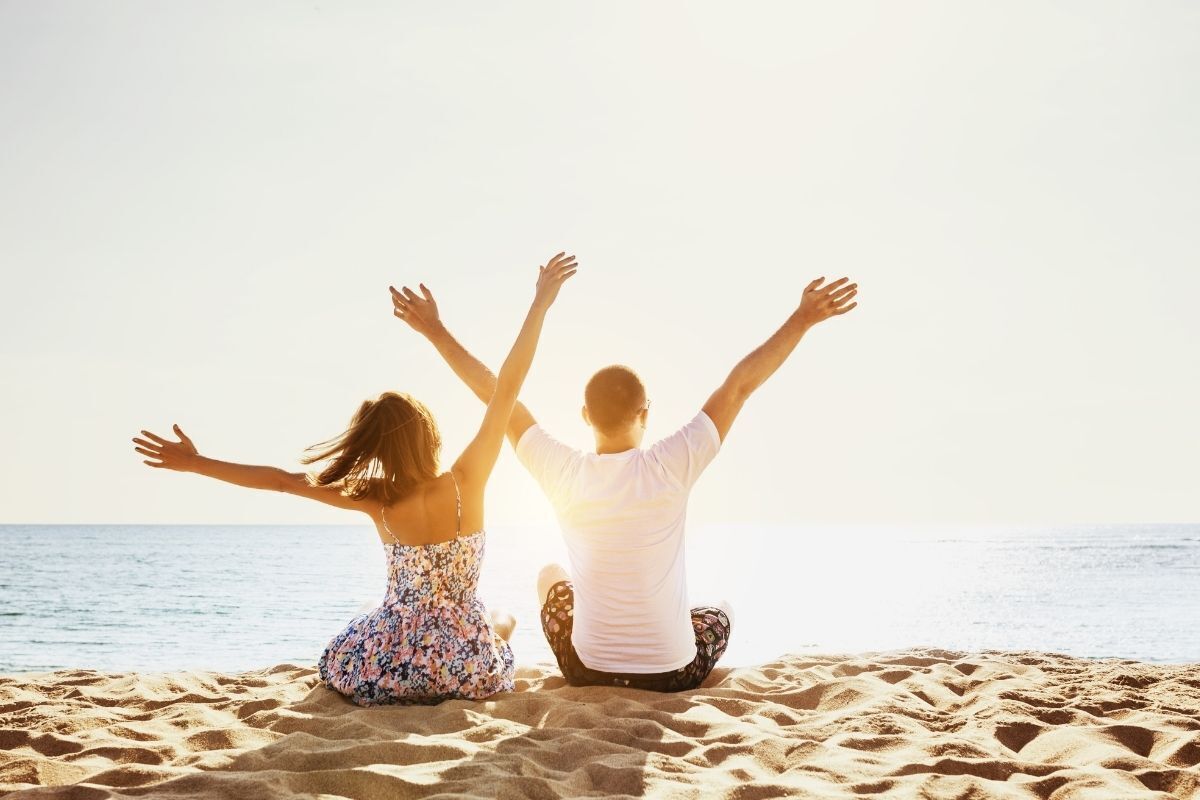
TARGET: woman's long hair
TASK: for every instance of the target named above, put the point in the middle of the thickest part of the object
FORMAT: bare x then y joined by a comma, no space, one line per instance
391,446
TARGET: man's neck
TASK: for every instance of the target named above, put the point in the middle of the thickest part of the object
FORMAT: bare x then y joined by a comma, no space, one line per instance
616,444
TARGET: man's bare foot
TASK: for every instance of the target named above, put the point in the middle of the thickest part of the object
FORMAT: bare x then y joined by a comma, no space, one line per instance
549,575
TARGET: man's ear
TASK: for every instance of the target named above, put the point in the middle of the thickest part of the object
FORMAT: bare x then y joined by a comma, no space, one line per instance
586,419
644,415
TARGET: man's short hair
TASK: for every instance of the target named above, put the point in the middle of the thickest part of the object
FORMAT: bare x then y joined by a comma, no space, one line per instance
613,398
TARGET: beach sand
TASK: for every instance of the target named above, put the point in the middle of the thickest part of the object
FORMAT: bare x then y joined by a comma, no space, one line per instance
920,723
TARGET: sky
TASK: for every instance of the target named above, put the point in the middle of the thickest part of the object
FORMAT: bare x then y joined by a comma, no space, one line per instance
202,206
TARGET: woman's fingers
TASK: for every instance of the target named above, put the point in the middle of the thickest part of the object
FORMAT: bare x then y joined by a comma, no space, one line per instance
845,309
831,287
153,463
559,278
557,270
428,294
845,291
183,437
157,447
569,263
559,262
812,286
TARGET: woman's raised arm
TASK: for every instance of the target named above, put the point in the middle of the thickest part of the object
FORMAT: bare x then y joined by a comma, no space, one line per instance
182,456
475,464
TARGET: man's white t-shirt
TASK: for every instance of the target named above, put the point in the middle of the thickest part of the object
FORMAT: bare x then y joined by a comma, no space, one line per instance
622,517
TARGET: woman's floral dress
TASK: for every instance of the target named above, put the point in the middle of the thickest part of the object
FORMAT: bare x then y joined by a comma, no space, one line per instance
430,640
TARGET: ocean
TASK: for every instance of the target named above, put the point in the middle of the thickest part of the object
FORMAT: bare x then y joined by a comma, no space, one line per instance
154,597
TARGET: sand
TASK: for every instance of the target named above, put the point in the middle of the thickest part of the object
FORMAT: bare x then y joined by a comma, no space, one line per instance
920,723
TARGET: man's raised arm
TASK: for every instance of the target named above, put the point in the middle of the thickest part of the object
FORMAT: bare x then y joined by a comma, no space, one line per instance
818,304
421,314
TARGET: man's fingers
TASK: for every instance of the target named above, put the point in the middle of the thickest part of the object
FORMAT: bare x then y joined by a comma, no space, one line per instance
153,463
828,289
145,452
841,301
812,287
845,291
428,294
410,295
845,309
154,438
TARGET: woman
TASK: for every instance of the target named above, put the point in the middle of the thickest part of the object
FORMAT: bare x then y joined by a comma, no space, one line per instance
430,640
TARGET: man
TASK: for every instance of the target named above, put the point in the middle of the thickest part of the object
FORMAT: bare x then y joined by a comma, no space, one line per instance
621,617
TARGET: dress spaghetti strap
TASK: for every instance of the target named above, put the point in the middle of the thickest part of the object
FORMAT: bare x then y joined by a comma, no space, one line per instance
388,530
458,506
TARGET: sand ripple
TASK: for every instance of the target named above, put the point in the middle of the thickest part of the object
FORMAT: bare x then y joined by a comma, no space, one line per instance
922,723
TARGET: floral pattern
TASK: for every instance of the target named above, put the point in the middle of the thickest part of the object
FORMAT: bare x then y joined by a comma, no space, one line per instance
430,640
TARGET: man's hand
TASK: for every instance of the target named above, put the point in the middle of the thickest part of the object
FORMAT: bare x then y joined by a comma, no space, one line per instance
420,312
819,303
181,455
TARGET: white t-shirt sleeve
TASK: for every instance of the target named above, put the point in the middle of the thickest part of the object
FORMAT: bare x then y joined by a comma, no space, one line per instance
685,453
551,463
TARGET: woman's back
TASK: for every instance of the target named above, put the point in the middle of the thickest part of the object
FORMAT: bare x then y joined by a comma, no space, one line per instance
430,514
430,562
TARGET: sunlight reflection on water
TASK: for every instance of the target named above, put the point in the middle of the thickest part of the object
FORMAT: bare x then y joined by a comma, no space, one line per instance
241,597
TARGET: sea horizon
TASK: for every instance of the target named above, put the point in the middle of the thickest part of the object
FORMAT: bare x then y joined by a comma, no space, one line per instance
229,597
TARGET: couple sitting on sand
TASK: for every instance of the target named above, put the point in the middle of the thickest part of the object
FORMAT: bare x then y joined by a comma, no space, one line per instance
620,618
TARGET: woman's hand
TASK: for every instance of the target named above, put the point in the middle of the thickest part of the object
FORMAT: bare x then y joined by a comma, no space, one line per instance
551,278
420,312
181,455
819,303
